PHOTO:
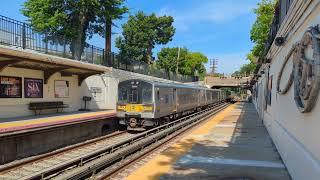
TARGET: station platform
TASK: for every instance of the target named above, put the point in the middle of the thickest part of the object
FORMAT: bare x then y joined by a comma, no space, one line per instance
32,122
233,145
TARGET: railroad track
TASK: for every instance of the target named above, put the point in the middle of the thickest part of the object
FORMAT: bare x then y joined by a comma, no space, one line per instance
116,152
119,170
47,165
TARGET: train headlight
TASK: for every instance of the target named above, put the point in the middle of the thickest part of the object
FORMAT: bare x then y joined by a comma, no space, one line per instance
148,108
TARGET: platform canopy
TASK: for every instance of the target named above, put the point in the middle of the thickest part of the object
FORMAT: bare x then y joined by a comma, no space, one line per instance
19,58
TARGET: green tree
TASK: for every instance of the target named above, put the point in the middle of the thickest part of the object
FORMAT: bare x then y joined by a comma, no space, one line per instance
259,35
245,70
194,64
141,33
167,58
260,29
110,10
63,20
189,63
73,21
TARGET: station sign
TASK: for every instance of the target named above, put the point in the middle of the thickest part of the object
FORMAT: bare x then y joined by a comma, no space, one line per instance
96,90
96,93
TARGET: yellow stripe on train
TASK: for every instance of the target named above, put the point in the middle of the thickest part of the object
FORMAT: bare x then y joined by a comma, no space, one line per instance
135,108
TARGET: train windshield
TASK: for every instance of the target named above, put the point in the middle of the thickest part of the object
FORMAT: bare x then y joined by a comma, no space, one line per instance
135,92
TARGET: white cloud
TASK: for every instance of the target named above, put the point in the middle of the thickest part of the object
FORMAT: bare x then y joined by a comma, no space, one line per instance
220,11
208,11
166,11
178,21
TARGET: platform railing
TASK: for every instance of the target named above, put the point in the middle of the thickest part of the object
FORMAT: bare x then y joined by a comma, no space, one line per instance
20,34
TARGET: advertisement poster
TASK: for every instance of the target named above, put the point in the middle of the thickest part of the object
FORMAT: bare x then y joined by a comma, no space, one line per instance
10,87
33,88
61,89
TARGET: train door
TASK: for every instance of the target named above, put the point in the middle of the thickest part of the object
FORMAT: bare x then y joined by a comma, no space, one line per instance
157,100
133,96
199,97
174,99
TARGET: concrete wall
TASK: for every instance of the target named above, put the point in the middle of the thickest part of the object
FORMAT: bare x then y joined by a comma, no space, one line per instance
24,145
104,99
295,134
108,96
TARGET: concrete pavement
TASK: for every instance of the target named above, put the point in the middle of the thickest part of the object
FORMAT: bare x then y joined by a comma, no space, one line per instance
232,145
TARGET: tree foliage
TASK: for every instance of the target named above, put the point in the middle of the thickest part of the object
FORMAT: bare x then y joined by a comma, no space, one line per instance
245,70
194,64
167,58
141,33
189,63
259,35
260,29
110,10
72,21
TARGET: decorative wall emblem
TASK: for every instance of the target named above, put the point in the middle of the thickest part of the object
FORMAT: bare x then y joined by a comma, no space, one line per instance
305,75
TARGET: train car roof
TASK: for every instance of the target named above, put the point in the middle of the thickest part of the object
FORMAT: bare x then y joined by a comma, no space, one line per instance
178,85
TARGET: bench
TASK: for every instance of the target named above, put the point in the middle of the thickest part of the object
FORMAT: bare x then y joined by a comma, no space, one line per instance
38,106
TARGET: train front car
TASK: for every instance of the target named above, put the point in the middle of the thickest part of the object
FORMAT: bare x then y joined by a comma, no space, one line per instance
135,106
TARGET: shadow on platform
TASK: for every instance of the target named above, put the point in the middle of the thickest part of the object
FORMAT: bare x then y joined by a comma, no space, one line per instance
238,148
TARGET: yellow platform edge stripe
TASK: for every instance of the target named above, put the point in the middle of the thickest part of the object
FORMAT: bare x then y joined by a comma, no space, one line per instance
162,163
52,119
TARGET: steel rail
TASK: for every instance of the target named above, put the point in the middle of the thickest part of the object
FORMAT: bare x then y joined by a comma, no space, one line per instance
23,162
177,128
111,172
115,150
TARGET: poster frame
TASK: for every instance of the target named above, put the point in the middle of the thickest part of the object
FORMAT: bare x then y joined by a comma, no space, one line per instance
55,88
21,86
24,84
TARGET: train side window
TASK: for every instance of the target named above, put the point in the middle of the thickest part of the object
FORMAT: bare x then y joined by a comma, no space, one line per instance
146,95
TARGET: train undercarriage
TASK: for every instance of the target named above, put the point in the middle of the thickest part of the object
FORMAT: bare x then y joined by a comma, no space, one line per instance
136,123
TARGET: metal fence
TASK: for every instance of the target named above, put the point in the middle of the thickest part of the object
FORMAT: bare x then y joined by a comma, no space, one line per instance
19,34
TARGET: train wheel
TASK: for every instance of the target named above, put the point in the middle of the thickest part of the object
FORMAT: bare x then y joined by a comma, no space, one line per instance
167,119
156,123
122,127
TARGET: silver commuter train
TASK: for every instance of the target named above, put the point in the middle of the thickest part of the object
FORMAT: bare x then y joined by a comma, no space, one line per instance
143,104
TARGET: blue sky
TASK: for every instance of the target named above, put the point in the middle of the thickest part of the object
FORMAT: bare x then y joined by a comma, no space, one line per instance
217,28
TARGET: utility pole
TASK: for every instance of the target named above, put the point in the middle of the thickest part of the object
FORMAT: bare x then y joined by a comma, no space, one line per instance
177,66
213,65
